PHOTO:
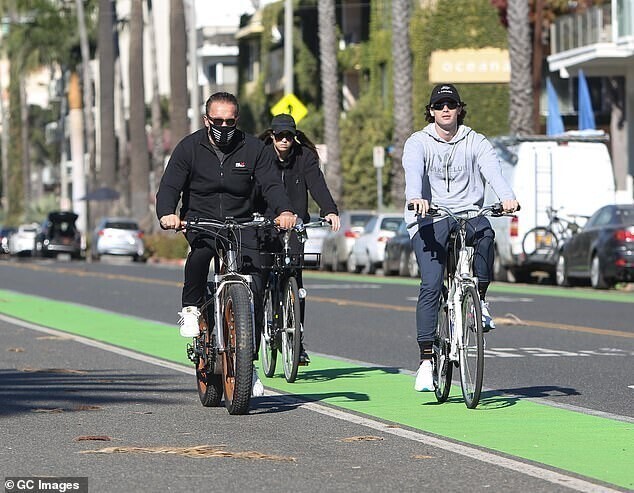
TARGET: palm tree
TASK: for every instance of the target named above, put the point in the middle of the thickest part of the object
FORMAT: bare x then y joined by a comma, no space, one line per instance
520,51
105,43
402,79
139,159
330,93
179,102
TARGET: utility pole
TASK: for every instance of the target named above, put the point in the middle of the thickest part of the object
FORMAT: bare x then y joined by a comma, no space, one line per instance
193,65
288,47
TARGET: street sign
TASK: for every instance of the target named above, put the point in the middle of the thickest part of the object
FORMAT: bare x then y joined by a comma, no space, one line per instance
290,105
378,156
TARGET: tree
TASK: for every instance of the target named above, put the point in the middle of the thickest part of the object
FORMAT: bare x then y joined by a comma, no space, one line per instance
139,159
179,102
330,92
108,148
520,51
402,79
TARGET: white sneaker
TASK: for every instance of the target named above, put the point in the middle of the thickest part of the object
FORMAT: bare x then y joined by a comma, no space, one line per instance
258,389
487,320
189,321
424,378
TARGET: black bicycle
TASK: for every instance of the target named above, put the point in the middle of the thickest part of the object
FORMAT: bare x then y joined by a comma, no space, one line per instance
223,352
546,241
282,321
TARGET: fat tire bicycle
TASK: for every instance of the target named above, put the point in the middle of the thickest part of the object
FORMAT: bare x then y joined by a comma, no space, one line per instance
459,339
281,332
223,352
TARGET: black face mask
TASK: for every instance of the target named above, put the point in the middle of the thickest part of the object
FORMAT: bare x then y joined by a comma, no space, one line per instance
222,135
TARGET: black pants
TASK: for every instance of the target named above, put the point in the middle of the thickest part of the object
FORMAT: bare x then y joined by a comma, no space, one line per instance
203,249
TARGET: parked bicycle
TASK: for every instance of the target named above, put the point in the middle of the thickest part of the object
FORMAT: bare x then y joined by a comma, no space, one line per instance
223,352
459,337
546,241
282,320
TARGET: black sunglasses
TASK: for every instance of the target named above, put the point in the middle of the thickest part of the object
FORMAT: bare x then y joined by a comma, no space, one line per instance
219,121
284,135
452,105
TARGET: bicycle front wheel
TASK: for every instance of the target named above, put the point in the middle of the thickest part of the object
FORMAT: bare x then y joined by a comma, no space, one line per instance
268,345
237,358
291,334
442,365
471,348
540,241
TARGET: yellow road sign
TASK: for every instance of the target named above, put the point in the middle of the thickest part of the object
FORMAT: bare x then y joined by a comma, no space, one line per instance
290,105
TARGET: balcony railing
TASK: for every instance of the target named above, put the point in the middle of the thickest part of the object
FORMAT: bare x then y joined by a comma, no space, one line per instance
577,30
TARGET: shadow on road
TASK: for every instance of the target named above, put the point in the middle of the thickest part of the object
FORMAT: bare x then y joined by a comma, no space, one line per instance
325,375
58,390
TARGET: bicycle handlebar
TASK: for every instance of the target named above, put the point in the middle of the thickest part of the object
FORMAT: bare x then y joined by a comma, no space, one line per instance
495,210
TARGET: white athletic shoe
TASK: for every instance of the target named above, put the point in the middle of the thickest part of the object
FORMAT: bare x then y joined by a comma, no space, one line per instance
188,322
424,378
258,389
487,320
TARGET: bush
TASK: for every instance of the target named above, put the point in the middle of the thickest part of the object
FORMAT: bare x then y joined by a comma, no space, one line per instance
166,244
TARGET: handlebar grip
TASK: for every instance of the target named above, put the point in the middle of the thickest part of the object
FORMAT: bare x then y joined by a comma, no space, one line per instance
410,207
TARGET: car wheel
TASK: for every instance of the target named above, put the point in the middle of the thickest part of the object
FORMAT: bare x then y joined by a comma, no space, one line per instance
596,274
561,272
386,269
500,273
371,267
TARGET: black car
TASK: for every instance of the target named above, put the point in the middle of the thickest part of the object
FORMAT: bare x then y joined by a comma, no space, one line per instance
59,234
603,251
399,257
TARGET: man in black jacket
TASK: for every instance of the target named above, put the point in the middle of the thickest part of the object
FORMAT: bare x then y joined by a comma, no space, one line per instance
214,171
297,167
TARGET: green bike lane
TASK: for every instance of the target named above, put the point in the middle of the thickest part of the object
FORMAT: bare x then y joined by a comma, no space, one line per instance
590,446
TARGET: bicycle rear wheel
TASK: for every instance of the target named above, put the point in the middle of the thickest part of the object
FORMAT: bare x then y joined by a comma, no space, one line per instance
268,346
443,368
540,241
471,350
237,359
291,334
209,383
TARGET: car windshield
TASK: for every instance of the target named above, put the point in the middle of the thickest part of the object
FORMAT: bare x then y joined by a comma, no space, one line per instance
391,223
121,225
359,220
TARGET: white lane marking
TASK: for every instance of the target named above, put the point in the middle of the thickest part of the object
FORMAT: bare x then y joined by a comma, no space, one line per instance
342,286
514,465
494,299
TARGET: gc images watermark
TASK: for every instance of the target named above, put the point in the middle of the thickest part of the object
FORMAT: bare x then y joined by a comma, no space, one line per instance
45,485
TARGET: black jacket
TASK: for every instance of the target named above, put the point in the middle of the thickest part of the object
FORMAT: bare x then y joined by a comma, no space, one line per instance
300,174
216,190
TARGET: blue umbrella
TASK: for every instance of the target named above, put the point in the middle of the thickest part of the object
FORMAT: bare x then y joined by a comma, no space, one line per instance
554,122
586,115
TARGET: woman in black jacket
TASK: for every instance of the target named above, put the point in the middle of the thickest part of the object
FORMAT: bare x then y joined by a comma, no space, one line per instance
298,169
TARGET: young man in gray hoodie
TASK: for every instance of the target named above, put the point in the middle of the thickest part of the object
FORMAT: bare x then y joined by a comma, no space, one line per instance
446,164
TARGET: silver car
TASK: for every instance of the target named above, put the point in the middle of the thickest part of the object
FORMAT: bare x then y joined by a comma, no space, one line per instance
336,247
118,236
369,250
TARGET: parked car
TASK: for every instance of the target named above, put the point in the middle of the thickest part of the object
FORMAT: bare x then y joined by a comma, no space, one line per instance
336,246
5,233
314,242
399,256
368,251
118,236
58,234
603,251
22,242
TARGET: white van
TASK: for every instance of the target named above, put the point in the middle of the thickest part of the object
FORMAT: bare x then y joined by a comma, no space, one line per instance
571,174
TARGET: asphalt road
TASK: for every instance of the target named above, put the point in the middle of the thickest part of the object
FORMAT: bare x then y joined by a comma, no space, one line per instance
570,352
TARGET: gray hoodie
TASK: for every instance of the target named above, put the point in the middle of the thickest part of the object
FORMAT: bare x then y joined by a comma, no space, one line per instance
451,173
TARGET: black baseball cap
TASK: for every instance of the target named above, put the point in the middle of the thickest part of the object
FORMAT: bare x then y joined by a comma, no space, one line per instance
444,92
283,123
